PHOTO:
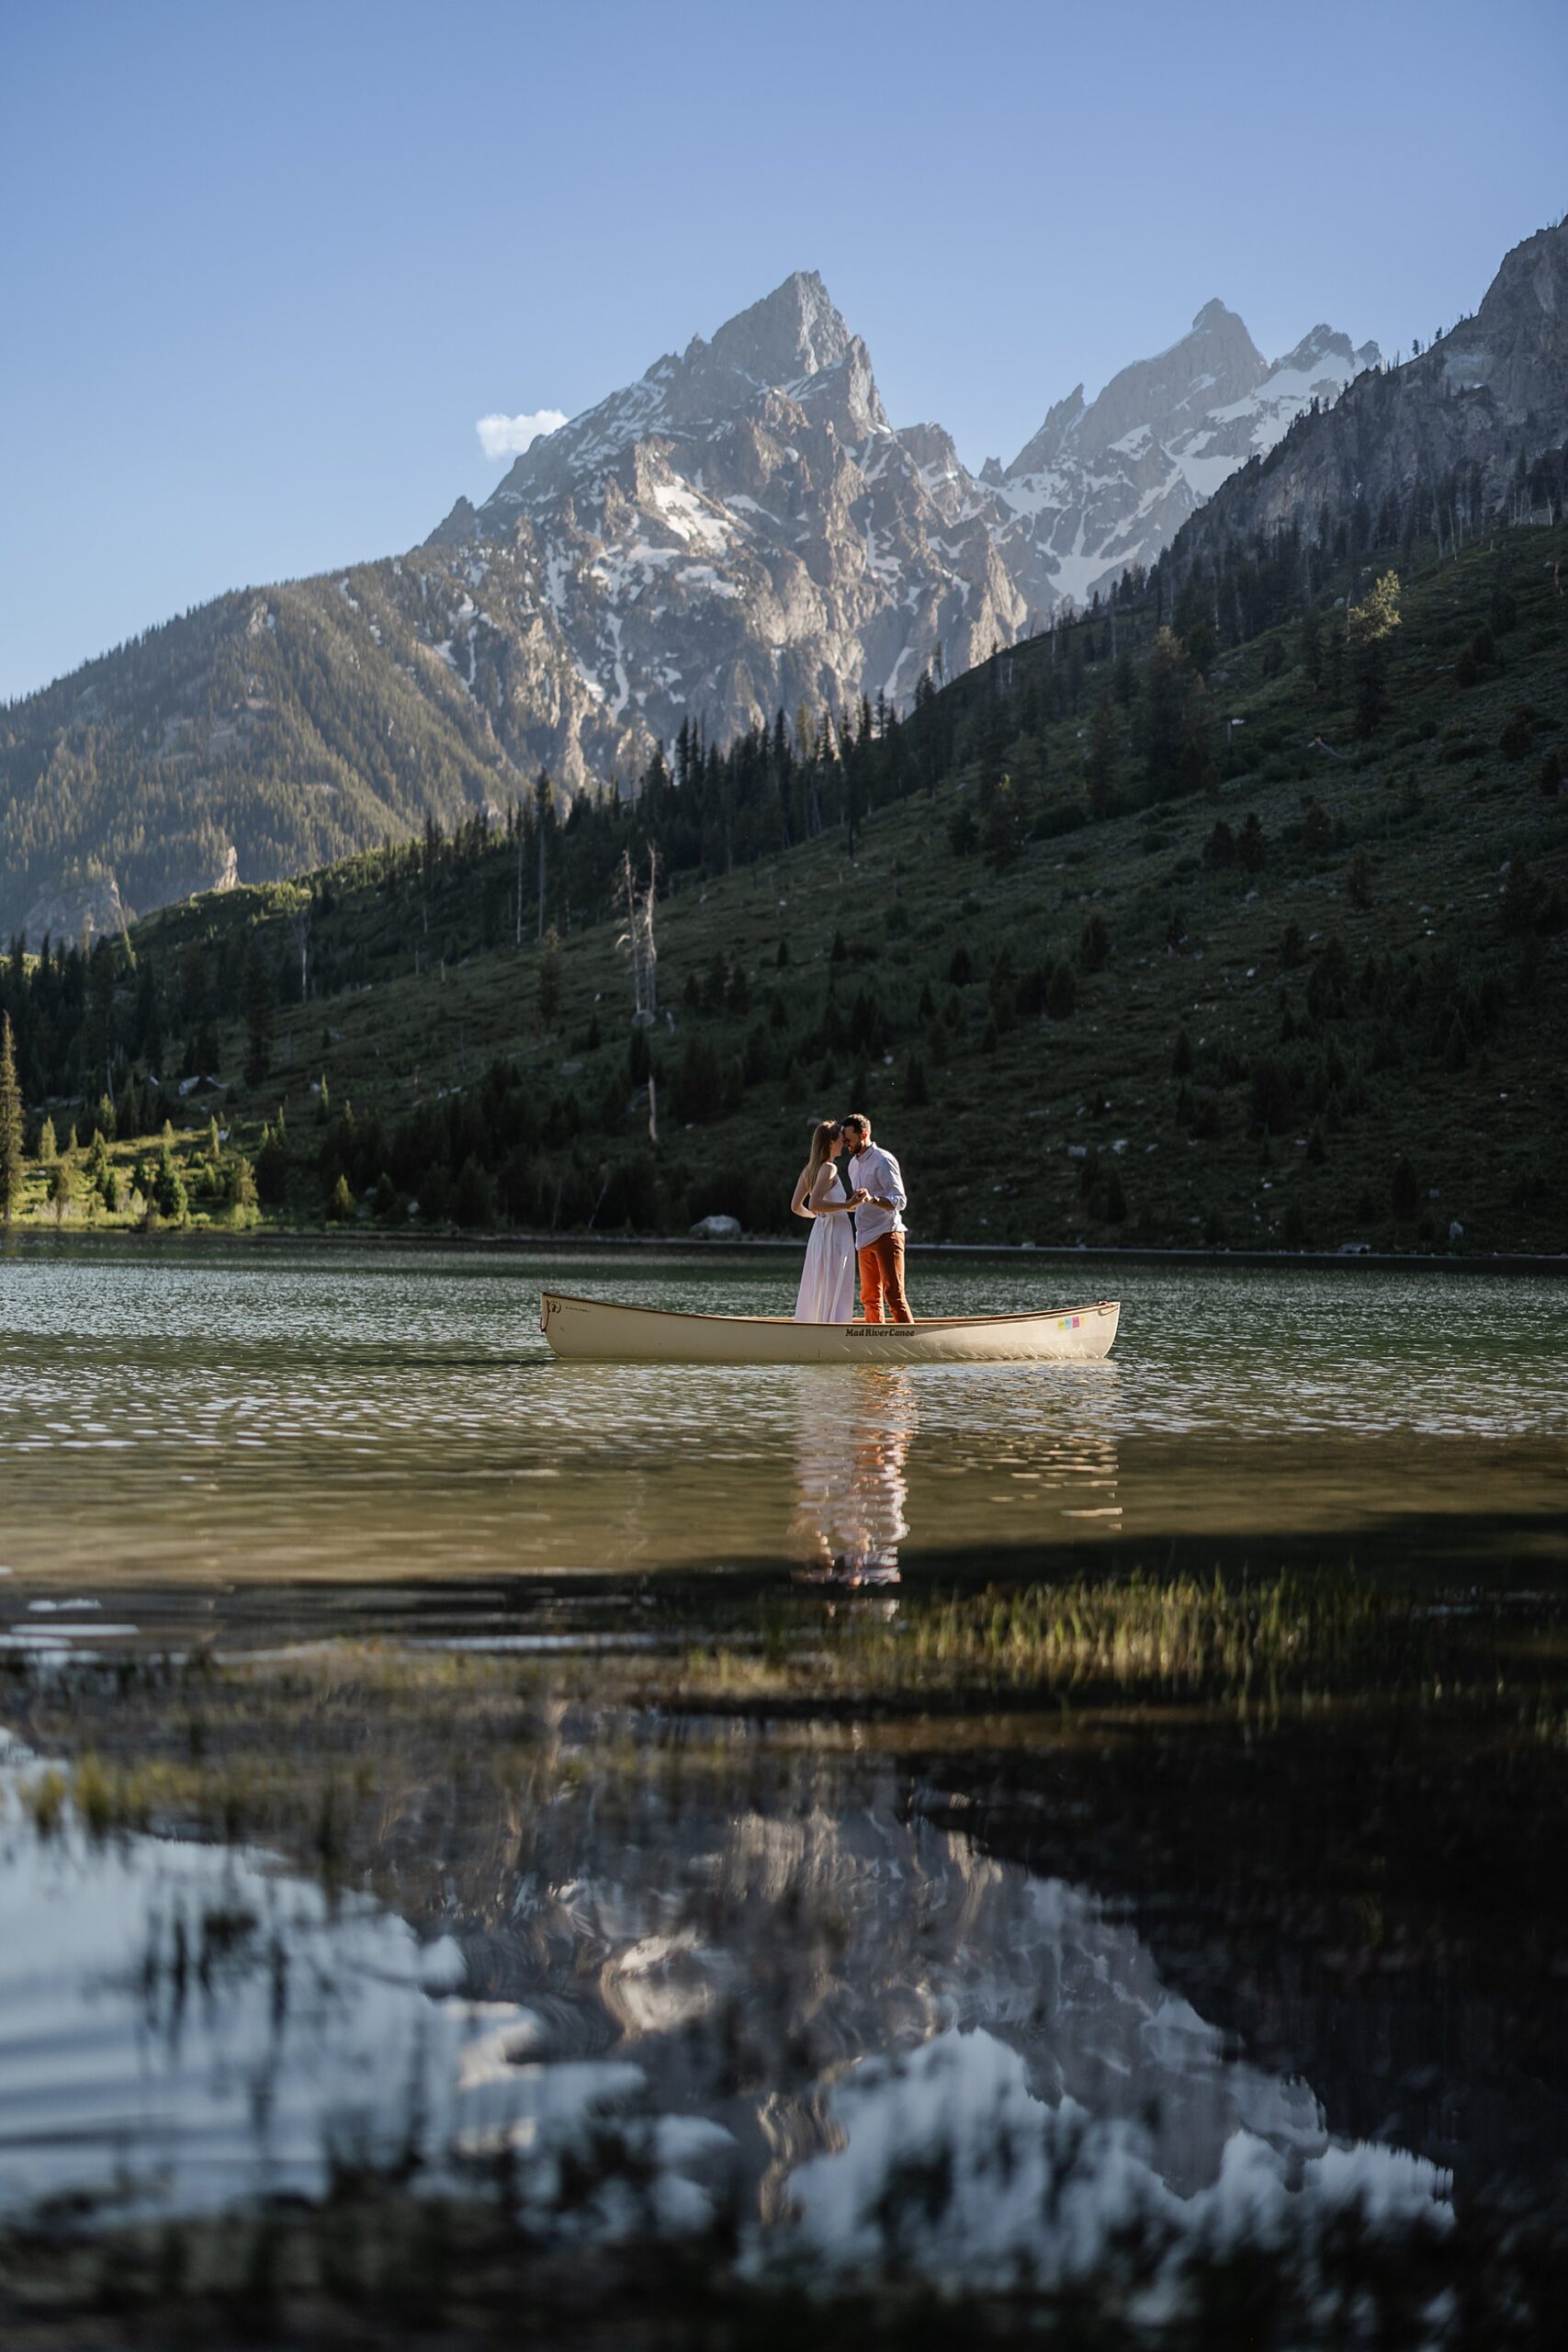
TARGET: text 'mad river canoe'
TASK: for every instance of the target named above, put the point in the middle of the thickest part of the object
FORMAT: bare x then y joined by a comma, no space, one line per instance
597,1330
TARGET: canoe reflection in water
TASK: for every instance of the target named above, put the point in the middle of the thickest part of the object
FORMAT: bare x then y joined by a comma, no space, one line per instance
851,1489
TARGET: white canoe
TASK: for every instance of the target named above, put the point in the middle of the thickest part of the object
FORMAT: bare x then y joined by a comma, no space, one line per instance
598,1330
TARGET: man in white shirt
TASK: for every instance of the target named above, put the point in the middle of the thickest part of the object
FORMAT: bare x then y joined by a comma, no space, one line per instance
879,1227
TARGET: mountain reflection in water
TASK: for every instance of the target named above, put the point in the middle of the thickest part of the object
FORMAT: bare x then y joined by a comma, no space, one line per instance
767,1993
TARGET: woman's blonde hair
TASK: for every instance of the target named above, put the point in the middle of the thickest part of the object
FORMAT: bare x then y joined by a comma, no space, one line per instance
824,1135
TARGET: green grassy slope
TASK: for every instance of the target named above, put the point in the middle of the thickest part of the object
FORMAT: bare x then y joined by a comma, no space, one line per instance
1361,1038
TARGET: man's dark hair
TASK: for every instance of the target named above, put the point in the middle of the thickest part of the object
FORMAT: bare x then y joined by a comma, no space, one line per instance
858,1120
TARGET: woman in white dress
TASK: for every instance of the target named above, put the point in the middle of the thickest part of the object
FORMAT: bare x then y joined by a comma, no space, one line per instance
827,1279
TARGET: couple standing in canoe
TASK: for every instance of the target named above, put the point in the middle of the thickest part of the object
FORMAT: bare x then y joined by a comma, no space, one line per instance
857,1222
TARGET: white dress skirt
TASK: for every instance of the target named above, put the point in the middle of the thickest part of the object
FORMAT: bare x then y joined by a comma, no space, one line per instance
827,1277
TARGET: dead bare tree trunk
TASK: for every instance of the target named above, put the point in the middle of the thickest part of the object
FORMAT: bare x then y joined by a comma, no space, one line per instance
650,950
638,937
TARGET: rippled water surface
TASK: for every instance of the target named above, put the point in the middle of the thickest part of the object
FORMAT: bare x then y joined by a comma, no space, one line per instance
238,1416
983,1985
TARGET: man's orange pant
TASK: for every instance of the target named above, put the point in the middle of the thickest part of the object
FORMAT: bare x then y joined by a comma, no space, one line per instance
882,1280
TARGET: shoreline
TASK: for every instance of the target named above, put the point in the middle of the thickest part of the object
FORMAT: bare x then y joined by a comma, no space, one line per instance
747,1245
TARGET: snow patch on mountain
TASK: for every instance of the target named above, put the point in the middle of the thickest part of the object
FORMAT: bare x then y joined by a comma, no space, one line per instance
1104,485
743,530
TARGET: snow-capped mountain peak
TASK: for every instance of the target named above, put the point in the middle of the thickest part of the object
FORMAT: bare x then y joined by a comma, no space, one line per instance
741,529
738,532
1105,485
791,341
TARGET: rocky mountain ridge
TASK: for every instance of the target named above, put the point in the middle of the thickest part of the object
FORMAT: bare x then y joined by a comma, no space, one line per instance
741,531
1104,487
737,533
1475,424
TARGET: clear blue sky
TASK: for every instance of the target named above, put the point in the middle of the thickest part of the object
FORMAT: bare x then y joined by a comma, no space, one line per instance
262,266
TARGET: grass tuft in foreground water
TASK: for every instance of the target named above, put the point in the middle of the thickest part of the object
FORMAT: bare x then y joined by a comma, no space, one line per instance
1183,1636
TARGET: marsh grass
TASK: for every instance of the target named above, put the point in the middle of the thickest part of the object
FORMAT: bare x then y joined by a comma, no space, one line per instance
43,1800
1138,1637
334,1752
362,1759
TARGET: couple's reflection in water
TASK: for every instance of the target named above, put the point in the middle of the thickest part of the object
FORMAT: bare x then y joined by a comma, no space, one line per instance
850,1488
1050,1465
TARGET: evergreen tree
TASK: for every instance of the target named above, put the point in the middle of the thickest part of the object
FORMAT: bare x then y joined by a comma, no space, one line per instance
473,1196
1369,629
1061,992
1094,945
272,1168
256,993
1003,827
11,1164
1250,848
240,1183
169,1196
549,980
1100,768
1172,720
1311,642
62,1189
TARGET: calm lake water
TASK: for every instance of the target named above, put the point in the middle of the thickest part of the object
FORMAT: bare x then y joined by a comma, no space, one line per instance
235,1416
1105,1972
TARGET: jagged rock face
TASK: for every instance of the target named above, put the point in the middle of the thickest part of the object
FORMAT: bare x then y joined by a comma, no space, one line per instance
742,530
1444,436
739,532
1106,486
82,906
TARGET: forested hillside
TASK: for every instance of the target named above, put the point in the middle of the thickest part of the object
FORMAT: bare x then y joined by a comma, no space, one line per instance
1255,933
270,732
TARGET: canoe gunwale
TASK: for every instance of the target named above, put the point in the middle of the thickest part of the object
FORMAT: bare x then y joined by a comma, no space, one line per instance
771,1322
614,1332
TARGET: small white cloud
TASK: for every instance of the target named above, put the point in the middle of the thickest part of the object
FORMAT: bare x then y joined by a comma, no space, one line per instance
508,436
